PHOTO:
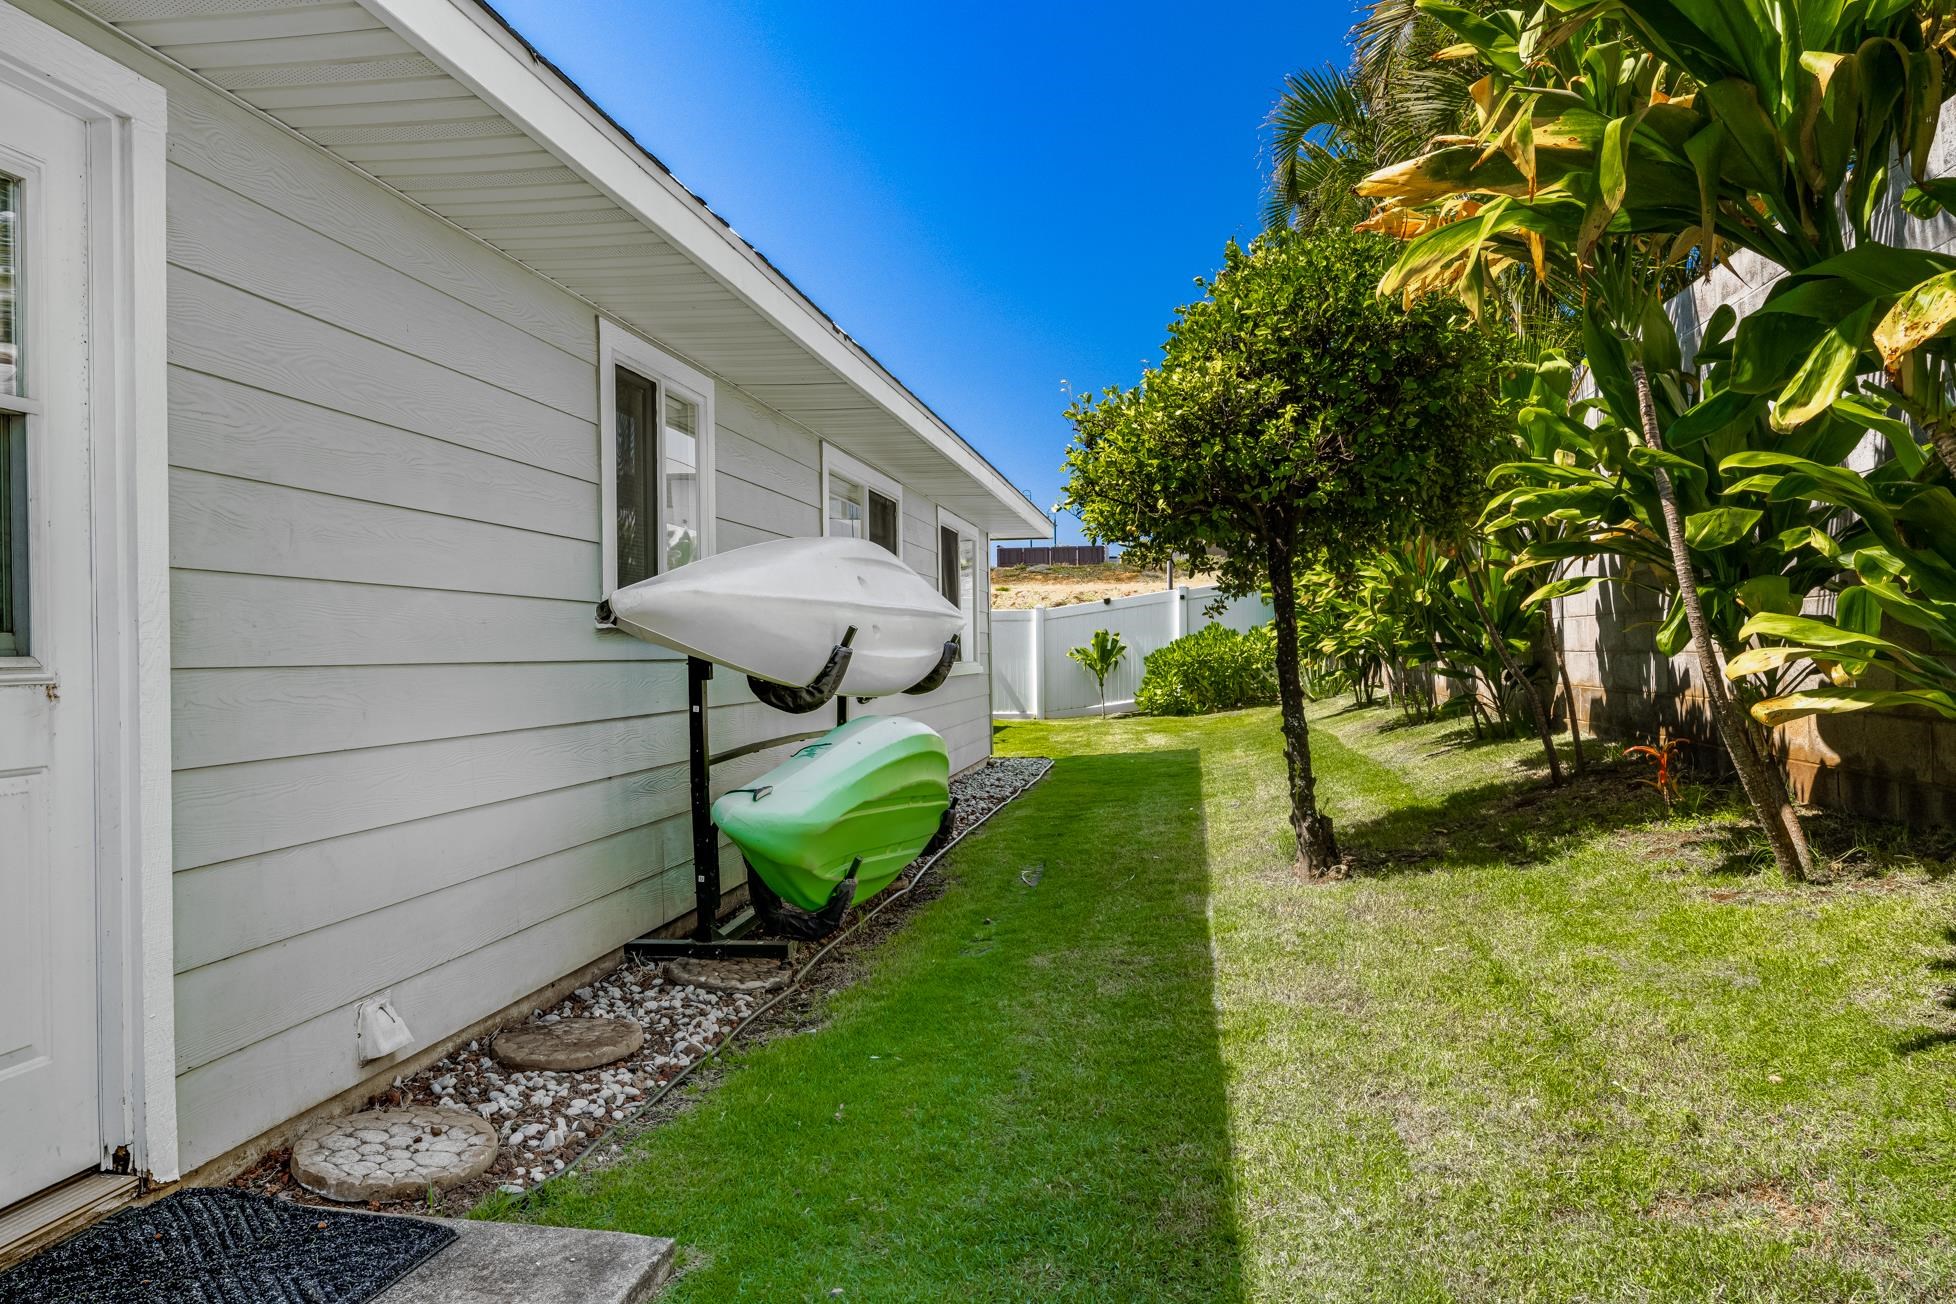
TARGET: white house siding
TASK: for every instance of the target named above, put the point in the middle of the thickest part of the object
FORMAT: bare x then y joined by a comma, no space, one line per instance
769,483
406,761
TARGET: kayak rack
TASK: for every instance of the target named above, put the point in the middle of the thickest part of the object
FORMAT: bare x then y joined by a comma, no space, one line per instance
711,939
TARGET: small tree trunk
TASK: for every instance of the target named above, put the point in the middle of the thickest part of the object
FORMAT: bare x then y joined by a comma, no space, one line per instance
1758,770
1568,690
1944,440
1317,849
1536,706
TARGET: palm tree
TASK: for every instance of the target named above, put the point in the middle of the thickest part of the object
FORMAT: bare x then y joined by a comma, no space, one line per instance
1332,127
1324,142
1099,658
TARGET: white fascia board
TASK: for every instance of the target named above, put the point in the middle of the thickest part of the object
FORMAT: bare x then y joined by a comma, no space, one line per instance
473,47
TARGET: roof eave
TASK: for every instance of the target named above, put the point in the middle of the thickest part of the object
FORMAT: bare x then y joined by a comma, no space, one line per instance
477,47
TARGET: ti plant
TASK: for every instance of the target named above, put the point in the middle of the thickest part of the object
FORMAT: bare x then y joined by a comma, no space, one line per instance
1899,548
1623,145
1099,658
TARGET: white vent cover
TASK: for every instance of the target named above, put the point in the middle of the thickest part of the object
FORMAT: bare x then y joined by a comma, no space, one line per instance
379,1030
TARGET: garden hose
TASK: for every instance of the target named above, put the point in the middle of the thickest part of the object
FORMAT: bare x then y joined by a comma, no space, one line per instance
794,982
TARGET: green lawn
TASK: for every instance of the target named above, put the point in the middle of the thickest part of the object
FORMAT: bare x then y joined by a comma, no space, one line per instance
1541,1046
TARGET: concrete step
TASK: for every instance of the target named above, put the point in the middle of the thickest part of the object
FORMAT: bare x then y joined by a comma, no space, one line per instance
538,1265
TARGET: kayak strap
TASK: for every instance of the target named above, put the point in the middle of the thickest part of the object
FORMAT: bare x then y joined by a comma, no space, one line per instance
942,670
817,692
792,921
942,838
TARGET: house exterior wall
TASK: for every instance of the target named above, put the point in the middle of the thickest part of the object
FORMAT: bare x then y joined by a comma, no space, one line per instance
406,762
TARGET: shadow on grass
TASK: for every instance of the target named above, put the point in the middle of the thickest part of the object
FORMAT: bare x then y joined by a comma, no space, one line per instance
1925,1039
1521,821
1022,1097
1513,820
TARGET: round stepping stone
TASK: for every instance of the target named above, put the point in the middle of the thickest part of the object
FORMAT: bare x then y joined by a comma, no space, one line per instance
568,1044
392,1154
729,975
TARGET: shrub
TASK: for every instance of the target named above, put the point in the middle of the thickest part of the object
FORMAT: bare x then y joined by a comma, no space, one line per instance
1213,669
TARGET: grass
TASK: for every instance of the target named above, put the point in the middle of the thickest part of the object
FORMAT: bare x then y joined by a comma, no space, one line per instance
1538,1045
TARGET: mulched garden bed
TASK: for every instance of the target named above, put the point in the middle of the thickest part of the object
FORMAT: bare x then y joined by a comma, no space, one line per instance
547,1119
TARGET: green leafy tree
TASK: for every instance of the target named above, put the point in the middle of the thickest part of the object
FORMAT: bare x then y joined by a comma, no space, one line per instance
1099,658
1295,415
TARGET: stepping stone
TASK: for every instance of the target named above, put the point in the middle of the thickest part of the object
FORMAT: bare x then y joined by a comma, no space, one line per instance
568,1044
537,1265
752,975
392,1154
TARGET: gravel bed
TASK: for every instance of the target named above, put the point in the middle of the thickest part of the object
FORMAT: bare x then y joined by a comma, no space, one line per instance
546,1119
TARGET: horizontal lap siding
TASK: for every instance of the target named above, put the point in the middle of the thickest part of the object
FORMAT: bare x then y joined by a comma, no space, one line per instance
767,476
406,761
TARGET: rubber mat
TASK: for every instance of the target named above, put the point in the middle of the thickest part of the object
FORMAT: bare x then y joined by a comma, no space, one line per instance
219,1246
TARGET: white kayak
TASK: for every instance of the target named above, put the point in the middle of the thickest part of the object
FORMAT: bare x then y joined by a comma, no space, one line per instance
777,610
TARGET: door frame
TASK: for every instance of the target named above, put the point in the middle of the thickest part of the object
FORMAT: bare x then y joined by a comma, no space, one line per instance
125,116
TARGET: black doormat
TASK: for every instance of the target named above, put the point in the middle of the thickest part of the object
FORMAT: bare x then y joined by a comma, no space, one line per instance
214,1245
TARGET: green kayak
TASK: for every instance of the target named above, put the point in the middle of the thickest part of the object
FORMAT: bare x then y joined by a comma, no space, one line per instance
872,790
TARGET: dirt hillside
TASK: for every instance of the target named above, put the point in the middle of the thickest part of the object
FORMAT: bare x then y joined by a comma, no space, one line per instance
1021,588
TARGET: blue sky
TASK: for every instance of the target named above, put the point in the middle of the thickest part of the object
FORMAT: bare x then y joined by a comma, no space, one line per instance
993,199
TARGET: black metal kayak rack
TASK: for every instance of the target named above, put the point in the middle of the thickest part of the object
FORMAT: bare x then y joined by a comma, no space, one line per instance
711,939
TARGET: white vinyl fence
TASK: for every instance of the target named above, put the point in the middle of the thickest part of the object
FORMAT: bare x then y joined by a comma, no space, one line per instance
1032,677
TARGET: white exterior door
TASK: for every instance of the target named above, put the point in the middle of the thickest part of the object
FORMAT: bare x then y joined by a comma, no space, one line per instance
50,1045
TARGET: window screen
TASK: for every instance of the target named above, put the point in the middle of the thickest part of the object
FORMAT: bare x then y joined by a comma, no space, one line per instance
947,564
883,520
968,597
682,518
13,538
846,508
859,512
9,286
13,435
638,482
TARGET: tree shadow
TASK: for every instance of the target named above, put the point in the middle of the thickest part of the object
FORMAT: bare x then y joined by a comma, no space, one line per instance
1510,821
1925,1039
1029,1072
1520,819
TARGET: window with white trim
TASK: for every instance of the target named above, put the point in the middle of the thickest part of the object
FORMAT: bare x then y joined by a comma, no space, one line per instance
656,459
860,502
959,547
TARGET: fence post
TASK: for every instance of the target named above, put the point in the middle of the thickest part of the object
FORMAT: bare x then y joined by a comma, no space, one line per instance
1177,614
1036,640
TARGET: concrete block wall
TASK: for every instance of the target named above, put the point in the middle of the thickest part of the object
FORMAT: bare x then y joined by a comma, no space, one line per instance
1884,764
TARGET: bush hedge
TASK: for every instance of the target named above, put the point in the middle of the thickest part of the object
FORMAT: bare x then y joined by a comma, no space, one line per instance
1214,669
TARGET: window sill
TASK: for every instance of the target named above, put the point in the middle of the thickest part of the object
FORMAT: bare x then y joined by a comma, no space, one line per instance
24,671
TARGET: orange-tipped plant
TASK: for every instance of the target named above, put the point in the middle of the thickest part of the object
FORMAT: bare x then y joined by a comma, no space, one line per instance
1665,755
